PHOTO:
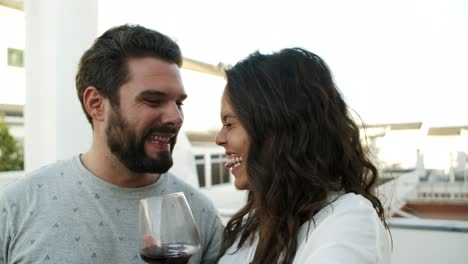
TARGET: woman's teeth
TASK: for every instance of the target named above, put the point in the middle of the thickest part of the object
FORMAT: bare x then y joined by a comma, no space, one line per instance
233,162
235,159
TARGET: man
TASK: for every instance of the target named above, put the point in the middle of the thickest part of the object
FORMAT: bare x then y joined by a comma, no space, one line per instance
84,210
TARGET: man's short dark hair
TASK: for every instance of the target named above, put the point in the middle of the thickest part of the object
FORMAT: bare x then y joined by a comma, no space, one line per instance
104,64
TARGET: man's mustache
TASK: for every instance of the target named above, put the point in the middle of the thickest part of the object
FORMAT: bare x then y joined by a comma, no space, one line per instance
162,129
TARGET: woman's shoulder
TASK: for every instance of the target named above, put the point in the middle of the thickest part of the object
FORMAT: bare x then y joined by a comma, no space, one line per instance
348,203
345,213
348,229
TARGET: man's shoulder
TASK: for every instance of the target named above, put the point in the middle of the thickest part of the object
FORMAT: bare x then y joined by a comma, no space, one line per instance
175,182
194,196
33,179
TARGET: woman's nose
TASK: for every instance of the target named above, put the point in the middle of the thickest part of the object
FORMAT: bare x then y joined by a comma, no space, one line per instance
221,138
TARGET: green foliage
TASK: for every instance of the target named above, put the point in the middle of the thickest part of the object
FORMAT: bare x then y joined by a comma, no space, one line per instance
11,151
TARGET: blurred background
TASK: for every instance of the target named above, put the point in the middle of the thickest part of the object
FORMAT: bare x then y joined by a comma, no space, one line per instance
401,65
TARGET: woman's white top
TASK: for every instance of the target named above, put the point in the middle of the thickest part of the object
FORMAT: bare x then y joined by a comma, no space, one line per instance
346,231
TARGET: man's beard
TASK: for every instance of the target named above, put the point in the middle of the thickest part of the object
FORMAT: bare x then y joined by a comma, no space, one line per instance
130,149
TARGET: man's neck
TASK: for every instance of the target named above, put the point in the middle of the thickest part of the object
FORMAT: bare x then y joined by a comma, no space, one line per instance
104,165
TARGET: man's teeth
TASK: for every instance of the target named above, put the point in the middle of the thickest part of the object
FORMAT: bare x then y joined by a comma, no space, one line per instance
160,139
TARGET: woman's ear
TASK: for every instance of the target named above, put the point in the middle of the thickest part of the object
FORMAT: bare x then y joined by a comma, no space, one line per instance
93,102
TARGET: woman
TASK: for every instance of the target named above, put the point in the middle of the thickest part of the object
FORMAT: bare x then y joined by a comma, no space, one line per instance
292,143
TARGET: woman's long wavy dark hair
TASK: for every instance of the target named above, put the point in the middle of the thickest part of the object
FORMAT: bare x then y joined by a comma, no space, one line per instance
304,145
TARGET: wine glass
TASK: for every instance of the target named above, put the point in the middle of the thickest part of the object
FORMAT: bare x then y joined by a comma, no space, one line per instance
167,231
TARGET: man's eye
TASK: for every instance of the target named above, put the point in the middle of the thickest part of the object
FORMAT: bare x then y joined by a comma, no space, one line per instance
180,104
154,102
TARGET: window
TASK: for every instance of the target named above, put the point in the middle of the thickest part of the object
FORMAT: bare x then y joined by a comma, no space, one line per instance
15,57
200,164
219,174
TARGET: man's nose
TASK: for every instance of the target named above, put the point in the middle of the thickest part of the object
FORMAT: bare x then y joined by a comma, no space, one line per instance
173,115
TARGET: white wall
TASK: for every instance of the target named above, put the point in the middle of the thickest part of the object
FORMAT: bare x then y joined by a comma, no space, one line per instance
413,246
202,107
400,147
440,152
11,78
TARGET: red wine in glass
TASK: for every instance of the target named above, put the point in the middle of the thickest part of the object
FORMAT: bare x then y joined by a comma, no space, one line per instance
176,253
167,231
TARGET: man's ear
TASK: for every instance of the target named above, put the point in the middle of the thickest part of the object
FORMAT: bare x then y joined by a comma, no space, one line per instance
94,103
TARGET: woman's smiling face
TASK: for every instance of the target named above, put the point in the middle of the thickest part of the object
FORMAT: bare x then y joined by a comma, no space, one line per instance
235,140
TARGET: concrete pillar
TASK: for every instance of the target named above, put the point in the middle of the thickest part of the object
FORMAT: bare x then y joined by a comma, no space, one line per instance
420,170
57,34
461,161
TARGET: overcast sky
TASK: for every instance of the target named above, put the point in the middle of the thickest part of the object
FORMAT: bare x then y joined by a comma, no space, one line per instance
394,61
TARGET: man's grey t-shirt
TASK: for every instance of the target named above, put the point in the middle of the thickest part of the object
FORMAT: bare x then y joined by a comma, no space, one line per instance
62,213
